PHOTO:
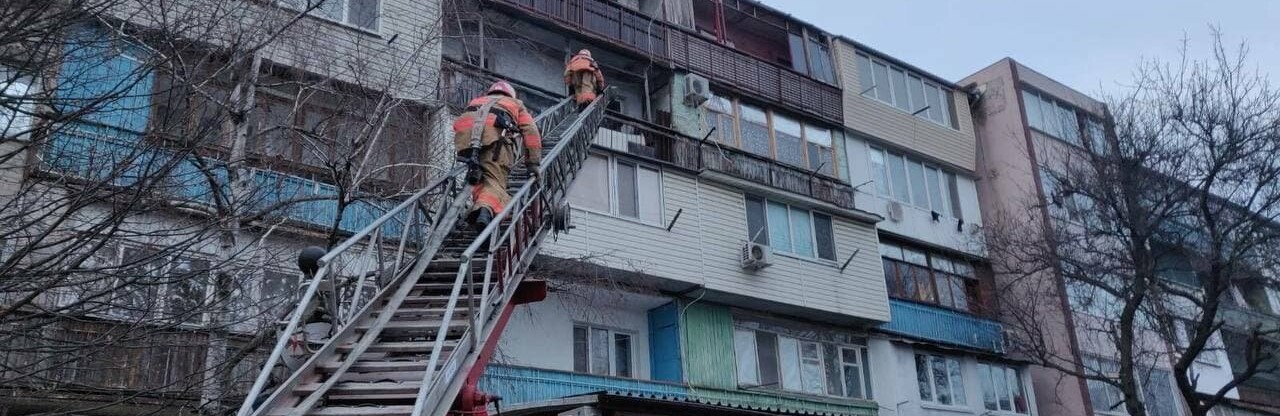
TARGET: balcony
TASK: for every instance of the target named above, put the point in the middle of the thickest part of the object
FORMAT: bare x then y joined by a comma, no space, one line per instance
651,141
1241,319
519,385
679,47
101,154
945,326
660,144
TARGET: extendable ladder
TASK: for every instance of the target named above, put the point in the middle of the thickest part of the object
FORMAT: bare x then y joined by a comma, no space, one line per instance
423,300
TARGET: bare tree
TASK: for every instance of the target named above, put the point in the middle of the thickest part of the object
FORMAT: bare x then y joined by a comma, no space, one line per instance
153,154
1169,213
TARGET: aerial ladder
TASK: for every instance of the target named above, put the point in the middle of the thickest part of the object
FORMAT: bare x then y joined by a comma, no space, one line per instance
415,301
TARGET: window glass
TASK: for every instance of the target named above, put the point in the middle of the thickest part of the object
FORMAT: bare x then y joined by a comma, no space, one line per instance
798,62
767,358
649,190
363,13
720,116
923,382
744,347
1097,137
898,177
879,172
820,62
1157,392
580,349
757,226
899,79
811,372
823,236
820,151
622,355
852,373
801,233
919,193
936,201
755,130
789,360
590,189
988,387
599,351
882,82
941,380
628,198
1070,124
1032,102
865,77
957,381
15,113
779,227
790,146
915,91
953,189
936,108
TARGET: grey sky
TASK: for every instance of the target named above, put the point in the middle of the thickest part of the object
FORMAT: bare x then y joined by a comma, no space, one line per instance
1090,45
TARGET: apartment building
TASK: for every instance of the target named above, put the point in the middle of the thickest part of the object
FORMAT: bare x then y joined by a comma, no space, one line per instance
1029,127
718,262
135,109
911,149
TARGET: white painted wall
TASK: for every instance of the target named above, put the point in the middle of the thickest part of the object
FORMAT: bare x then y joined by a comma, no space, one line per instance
895,389
917,223
703,247
540,334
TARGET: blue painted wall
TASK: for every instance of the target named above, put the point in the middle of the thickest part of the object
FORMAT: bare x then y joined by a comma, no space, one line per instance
664,343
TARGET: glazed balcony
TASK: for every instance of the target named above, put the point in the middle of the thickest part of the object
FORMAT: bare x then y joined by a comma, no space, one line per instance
678,47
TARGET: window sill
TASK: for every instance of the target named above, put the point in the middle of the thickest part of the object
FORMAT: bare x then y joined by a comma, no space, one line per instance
814,260
377,33
620,218
905,112
947,408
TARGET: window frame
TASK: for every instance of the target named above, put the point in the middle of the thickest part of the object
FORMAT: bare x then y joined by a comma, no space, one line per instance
896,279
824,363
346,11
615,203
1010,390
22,116
612,359
1059,109
768,235
948,182
735,113
1144,375
952,384
889,94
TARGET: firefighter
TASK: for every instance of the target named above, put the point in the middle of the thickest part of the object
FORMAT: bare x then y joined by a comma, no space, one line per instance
583,77
494,146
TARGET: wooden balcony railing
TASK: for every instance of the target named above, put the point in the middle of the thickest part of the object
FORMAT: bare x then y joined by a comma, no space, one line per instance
642,139
679,47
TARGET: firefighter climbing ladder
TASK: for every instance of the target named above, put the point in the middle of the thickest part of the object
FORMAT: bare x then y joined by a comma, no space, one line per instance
418,303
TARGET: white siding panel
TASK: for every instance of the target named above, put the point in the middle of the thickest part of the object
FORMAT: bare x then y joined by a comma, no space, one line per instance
704,248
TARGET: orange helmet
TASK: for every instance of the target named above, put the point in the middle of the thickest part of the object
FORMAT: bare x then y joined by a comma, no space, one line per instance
585,52
502,87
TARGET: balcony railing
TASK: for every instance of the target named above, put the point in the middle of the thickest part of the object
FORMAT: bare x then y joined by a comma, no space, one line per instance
1245,320
655,142
101,154
525,385
677,46
946,326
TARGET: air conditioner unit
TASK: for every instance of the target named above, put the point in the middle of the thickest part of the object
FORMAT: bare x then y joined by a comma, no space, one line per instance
895,211
756,256
696,90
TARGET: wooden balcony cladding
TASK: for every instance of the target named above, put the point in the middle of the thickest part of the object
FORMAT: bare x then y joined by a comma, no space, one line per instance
645,140
680,48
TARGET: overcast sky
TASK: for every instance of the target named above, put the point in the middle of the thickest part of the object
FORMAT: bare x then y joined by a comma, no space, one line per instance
1090,45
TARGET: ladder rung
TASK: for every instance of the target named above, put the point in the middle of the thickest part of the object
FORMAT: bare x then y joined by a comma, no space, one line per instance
351,388
399,346
378,366
362,411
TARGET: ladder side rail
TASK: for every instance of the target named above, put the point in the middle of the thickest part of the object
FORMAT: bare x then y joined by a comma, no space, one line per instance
296,316
528,203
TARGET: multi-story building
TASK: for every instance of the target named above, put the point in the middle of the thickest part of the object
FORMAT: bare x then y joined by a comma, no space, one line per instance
1029,128
123,141
911,152
740,128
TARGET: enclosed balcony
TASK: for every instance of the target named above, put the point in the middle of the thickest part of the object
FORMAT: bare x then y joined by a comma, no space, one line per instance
774,78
